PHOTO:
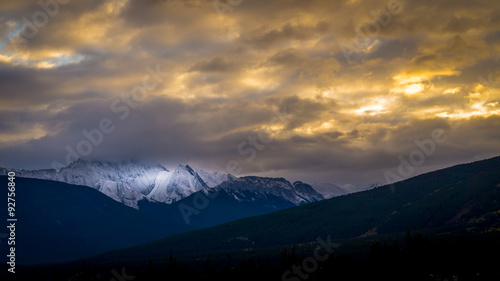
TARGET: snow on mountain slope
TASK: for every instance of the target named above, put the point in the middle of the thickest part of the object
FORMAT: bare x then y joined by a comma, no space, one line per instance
139,176
213,179
129,182
126,182
120,192
182,182
252,188
307,192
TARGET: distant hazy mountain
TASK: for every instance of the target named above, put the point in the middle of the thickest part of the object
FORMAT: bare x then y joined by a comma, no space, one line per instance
329,190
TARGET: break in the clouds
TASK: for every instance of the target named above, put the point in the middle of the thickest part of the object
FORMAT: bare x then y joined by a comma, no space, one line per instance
335,91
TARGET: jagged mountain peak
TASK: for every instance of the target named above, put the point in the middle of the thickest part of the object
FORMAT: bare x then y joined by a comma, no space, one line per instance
183,169
190,170
130,181
116,165
256,179
249,187
184,181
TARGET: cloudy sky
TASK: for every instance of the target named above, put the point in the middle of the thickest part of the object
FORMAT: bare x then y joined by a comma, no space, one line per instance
338,91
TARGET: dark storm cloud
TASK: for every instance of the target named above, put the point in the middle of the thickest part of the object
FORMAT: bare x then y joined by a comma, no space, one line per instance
290,57
216,64
339,159
15,122
262,38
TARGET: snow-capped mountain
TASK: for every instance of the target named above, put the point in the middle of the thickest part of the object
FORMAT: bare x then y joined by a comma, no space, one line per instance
126,182
252,188
213,179
120,192
129,181
183,181
235,199
138,176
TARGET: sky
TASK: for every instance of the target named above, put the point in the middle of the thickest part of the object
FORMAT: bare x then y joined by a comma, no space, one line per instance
349,92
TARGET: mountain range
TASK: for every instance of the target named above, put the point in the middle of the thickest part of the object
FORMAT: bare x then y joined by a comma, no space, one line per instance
458,207
129,182
60,208
461,200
